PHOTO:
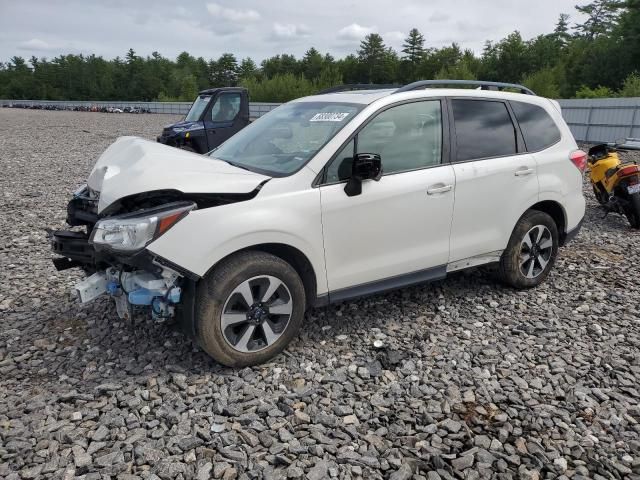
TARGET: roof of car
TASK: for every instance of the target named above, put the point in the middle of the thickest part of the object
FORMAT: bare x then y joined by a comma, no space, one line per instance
367,93
366,97
210,91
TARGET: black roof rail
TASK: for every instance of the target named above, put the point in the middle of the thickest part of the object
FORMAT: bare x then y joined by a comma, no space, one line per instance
356,86
470,83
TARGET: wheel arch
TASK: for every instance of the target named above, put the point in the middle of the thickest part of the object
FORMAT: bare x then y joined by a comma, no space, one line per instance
556,211
294,257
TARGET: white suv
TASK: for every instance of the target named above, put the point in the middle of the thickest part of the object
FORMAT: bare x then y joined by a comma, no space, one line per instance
324,199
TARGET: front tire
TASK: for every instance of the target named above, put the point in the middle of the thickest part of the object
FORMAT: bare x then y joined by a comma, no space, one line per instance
531,251
248,308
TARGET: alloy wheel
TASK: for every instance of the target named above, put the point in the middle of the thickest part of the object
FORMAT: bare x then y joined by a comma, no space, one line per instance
256,313
536,249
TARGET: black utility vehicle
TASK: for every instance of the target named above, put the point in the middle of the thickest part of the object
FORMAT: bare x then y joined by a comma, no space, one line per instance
216,115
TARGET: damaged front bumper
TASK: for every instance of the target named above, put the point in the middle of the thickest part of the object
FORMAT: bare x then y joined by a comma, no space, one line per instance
136,281
133,289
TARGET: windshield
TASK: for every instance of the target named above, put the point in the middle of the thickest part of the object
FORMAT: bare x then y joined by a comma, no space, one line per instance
195,112
285,139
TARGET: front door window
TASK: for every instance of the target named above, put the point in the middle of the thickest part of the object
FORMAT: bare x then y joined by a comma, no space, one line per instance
226,107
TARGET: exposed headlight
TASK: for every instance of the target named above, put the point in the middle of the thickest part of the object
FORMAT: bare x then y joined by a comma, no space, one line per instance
136,230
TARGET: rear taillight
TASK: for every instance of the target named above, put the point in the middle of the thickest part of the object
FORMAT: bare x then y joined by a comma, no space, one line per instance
630,170
579,159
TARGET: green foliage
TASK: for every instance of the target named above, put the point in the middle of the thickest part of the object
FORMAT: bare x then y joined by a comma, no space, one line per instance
287,86
247,69
224,71
189,88
459,71
598,57
631,86
413,47
598,92
376,59
601,17
545,82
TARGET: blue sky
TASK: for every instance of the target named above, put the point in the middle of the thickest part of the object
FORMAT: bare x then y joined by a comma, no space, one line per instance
258,28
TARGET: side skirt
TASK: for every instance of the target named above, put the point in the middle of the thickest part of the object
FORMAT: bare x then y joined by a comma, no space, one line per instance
476,261
401,281
388,284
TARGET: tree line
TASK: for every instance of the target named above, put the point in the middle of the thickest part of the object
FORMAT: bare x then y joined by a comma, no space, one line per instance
597,57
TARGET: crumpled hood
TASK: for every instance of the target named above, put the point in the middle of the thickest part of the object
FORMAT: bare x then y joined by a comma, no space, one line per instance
134,165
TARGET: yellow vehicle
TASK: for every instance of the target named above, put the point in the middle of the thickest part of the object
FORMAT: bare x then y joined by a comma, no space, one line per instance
615,184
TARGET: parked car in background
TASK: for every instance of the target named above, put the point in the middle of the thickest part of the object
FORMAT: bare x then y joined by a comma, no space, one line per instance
324,199
216,115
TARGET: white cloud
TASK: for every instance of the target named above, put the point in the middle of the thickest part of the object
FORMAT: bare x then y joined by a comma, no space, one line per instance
232,14
355,32
289,31
439,17
37,45
208,28
393,37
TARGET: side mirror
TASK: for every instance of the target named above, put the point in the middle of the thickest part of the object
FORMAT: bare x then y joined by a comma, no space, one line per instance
365,166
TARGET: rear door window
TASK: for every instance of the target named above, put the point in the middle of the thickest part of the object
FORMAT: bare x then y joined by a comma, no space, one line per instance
483,129
538,128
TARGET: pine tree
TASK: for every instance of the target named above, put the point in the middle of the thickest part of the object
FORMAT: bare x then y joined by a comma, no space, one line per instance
372,55
227,70
312,64
602,16
247,68
413,47
561,32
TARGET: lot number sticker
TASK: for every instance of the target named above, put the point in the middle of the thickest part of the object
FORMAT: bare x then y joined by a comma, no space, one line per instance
329,117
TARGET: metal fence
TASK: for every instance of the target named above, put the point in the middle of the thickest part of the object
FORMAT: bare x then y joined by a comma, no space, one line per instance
590,120
602,119
256,109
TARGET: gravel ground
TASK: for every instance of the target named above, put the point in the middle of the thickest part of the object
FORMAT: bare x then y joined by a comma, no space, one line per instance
459,379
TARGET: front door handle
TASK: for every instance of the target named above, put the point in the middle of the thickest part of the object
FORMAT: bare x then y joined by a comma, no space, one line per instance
524,171
438,188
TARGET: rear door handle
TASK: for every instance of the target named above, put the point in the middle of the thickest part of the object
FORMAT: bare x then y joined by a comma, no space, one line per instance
524,171
440,188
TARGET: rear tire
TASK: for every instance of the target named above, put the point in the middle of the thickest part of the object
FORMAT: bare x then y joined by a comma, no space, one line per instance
248,308
531,251
632,211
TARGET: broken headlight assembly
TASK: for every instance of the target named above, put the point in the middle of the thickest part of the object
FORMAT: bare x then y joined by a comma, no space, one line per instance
134,231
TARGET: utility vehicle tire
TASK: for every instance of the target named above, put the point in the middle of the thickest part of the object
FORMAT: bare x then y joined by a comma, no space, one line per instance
632,211
531,251
188,148
248,308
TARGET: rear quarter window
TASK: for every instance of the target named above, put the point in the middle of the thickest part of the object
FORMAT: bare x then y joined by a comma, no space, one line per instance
538,128
483,129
